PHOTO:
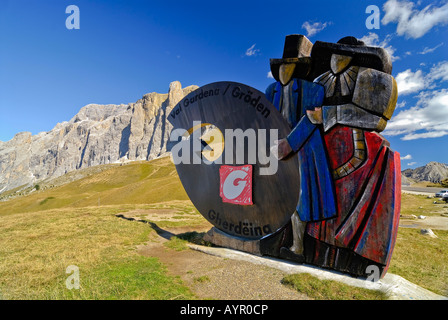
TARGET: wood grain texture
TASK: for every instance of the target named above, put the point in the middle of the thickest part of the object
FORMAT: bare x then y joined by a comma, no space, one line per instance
376,92
345,179
230,106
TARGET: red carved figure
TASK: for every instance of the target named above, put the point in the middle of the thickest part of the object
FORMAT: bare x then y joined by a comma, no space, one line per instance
359,97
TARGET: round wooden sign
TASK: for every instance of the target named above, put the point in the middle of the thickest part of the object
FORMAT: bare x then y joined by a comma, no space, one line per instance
221,140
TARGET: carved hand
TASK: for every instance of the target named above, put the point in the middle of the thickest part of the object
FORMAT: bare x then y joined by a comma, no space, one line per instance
281,149
315,115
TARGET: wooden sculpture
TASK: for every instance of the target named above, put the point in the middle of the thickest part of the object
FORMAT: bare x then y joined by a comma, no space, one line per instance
333,198
337,98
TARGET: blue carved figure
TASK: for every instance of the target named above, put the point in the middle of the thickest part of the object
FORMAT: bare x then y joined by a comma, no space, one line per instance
297,100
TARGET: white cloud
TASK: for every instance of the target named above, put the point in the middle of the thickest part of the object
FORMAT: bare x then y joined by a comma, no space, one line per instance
439,72
252,51
270,76
427,50
314,28
412,163
409,82
407,157
428,119
401,104
373,40
413,23
425,135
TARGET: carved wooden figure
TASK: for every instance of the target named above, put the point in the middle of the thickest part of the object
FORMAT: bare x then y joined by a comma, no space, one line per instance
333,200
337,98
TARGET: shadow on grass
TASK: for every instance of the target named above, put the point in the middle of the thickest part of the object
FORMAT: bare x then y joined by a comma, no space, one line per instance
161,232
192,237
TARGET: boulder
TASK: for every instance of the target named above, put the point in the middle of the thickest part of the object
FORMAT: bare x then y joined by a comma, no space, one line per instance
408,216
428,233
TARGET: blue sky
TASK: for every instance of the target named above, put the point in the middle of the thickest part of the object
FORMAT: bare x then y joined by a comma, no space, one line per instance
125,49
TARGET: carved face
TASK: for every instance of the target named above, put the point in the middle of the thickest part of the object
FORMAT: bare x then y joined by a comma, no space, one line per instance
339,62
284,70
285,73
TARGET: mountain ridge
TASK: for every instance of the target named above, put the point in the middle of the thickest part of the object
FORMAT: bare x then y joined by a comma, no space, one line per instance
113,133
97,134
433,172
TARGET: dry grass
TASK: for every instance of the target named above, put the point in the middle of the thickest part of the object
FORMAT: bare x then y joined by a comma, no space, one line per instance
134,183
76,224
330,290
421,205
36,248
422,260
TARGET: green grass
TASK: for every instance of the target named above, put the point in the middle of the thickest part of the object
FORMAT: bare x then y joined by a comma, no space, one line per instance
422,260
174,214
47,231
417,258
329,289
421,205
135,183
201,279
180,241
177,244
36,248
131,278
76,224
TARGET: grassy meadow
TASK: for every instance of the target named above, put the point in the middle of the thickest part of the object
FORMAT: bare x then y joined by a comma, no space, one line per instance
417,258
43,233
76,224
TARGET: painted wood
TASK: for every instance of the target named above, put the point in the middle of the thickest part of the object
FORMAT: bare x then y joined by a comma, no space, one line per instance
360,96
329,104
231,106
376,92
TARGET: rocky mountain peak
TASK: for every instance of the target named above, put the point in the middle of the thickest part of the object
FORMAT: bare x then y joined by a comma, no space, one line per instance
433,172
175,93
97,134
97,112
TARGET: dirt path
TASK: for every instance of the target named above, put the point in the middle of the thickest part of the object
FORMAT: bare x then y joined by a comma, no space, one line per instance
211,277
432,222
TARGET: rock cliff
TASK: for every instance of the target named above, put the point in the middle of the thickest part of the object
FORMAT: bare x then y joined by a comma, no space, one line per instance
433,172
98,134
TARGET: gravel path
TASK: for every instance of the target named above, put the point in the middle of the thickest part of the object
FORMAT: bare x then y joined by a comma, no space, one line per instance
211,277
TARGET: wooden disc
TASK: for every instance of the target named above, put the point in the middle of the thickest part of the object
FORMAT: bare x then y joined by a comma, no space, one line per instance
239,187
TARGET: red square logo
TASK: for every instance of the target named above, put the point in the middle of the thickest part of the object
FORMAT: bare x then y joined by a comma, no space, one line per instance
235,184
